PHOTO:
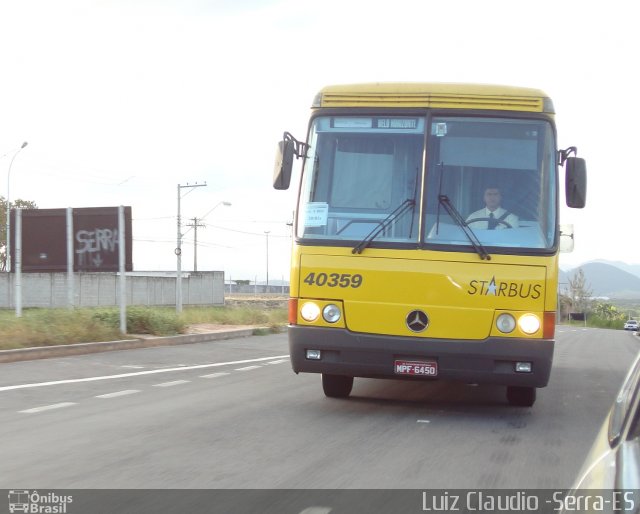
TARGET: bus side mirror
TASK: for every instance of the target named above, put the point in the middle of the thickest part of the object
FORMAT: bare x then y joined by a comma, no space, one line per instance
576,182
283,165
566,238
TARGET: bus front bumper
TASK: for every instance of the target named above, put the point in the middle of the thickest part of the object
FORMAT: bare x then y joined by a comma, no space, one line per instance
488,361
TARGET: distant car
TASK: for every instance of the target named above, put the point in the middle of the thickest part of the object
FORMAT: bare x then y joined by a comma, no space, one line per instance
632,324
614,459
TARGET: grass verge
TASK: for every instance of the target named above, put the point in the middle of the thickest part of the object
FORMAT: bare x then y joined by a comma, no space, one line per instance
48,327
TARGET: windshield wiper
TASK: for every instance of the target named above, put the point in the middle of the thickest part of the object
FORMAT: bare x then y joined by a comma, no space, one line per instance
453,212
405,206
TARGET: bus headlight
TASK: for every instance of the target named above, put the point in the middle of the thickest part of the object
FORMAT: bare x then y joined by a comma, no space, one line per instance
331,313
310,312
529,323
506,323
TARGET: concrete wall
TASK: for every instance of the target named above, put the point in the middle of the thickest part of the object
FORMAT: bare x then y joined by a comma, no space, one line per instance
256,289
49,290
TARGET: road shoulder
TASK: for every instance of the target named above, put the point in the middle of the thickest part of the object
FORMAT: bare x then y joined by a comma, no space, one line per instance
199,333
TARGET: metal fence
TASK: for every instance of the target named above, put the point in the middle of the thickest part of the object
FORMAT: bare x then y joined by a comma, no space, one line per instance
50,290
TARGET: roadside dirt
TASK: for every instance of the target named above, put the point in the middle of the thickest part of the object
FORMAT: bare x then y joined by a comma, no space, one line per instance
267,302
259,302
207,328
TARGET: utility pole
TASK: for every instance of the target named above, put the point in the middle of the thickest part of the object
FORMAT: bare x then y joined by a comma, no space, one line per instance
195,226
266,233
178,249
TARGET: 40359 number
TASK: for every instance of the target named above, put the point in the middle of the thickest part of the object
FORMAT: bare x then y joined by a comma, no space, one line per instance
333,279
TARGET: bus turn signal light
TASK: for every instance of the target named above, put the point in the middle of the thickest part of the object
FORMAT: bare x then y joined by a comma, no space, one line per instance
549,325
293,311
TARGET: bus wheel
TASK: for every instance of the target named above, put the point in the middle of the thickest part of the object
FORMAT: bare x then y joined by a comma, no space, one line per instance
336,386
521,396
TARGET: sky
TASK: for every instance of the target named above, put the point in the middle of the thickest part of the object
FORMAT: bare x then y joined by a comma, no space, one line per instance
122,101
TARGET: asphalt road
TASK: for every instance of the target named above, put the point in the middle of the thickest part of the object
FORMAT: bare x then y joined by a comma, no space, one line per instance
232,414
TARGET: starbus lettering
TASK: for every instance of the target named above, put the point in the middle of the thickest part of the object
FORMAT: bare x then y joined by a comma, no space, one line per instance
506,289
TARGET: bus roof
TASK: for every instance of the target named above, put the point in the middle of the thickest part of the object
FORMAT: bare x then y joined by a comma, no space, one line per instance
435,95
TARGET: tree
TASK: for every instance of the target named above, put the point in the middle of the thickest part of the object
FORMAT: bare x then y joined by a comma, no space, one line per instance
607,311
580,292
565,305
18,204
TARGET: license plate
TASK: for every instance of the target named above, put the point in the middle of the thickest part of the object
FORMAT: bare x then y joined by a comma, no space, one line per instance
422,368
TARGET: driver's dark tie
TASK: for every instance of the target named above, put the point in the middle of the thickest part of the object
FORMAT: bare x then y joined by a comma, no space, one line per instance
492,221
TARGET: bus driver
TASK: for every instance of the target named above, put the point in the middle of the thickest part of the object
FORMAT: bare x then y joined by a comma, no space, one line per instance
492,216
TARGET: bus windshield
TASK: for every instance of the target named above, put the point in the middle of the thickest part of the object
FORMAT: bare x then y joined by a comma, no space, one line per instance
385,179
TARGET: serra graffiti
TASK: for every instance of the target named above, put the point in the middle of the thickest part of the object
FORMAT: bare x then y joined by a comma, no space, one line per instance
92,245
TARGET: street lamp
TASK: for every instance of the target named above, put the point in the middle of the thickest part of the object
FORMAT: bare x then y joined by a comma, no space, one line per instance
226,204
8,237
178,250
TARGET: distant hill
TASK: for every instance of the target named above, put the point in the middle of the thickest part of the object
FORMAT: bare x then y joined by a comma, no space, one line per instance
607,280
563,278
634,269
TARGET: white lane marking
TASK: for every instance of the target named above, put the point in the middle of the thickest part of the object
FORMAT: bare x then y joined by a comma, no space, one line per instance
47,407
171,384
316,510
423,421
139,373
118,393
132,366
215,375
278,362
247,368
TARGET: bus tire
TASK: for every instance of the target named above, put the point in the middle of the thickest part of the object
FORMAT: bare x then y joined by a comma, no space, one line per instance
336,386
521,396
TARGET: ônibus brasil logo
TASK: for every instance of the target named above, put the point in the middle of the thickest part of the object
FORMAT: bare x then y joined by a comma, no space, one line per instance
23,500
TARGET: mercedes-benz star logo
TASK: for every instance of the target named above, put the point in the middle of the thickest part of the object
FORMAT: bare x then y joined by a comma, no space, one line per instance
417,321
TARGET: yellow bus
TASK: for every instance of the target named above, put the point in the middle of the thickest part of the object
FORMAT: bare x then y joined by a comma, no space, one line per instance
427,236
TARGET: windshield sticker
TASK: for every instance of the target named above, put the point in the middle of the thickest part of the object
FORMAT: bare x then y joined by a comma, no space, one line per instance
439,129
316,214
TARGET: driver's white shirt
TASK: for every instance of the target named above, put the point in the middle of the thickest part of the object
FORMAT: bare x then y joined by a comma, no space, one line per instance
511,219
